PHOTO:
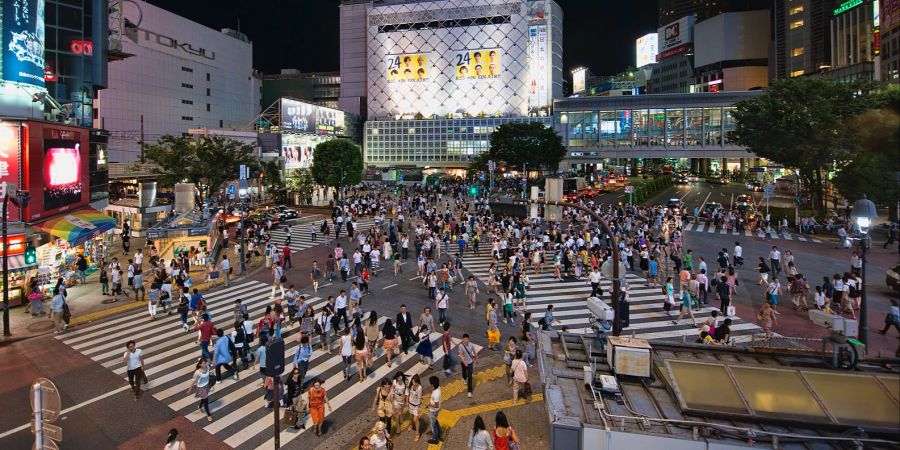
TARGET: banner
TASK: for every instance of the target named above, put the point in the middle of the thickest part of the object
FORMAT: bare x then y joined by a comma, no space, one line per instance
298,116
537,66
477,64
406,67
23,41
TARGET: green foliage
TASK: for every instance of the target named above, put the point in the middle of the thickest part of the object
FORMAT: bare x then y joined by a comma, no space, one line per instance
645,190
301,181
271,171
337,163
528,143
207,161
803,123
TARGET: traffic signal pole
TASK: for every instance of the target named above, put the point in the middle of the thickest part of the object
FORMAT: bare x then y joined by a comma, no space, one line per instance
6,331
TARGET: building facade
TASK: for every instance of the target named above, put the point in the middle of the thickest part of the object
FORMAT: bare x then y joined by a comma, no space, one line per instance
673,71
181,74
322,88
668,126
801,36
451,65
889,37
731,52
670,10
855,42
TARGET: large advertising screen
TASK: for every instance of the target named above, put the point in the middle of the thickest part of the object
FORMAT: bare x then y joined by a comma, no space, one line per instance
578,80
479,64
647,47
298,116
537,66
23,41
329,121
406,67
62,173
9,162
297,149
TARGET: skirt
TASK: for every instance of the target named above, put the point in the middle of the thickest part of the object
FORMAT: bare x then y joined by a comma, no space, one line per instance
202,391
424,349
389,344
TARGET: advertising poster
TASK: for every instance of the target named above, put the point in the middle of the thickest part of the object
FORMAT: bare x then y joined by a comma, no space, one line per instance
479,64
296,150
62,173
889,17
23,41
406,67
298,116
9,162
329,121
578,81
647,46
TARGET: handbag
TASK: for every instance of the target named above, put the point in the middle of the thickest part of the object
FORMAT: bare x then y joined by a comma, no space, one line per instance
528,391
290,417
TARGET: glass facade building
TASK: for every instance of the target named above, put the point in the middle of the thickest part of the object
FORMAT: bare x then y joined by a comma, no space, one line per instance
447,143
650,126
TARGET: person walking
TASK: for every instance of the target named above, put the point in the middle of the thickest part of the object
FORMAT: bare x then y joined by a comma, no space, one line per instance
767,319
172,441
685,307
302,356
405,329
389,335
361,353
414,403
504,435
471,289
434,408
202,382
134,365
317,399
441,302
398,398
468,359
58,310
315,274
278,279
225,267
479,438
519,379
225,355
347,352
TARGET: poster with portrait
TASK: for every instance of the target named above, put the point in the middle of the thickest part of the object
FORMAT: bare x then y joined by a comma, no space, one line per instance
406,67
479,64
62,173
298,116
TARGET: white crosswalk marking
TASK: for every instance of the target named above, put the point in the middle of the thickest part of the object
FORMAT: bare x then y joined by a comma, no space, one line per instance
711,228
170,355
647,318
301,235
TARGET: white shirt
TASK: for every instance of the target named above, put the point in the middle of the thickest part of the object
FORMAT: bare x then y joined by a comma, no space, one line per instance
738,251
134,358
346,345
442,300
138,258
225,265
435,399
775,254
596,277
340,302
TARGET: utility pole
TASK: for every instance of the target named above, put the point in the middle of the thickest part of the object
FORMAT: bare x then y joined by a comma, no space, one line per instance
524,178
5,199
142,138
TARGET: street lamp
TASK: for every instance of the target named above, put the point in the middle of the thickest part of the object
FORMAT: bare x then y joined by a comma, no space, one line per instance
862,215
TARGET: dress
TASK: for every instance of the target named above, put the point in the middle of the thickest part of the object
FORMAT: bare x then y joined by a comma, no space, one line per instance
424,347
414,400
317,405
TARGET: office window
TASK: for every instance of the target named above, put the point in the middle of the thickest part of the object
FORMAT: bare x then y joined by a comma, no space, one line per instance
186,85
207,92
187,102
187,118
207,76
221,123
797,24
797,9
207,107
797,51
186,69
797,73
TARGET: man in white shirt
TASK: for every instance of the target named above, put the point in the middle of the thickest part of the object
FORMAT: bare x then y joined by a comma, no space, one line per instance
134,364
340,305
225,266
139,258
738,254
775,259
594,278
278,279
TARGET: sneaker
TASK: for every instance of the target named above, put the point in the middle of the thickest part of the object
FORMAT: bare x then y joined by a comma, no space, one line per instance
469,395
433,441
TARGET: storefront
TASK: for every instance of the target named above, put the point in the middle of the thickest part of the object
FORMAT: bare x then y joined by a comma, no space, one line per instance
85,232
17,267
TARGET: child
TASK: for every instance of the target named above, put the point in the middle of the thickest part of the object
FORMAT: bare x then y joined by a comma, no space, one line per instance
493,335
820,298
426,355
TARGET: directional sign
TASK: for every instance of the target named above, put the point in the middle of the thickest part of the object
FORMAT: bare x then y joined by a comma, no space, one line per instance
481,176
49,431
50,401
629,189
769,191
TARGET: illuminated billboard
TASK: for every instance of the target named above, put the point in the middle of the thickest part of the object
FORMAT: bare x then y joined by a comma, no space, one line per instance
647,47
675,38
329,121
298,116
479,64
578,80
537,66
406,67
62,173
23,41
9,161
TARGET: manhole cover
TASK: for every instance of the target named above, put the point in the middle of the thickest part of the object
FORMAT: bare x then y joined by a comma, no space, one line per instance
107,301
40,326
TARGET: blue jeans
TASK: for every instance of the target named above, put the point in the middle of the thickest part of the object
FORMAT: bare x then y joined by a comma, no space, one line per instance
468,376
82,277
435,427
304,367
204,350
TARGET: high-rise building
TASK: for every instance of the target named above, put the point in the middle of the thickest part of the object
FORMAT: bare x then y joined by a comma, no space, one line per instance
673,72
731,52
321,88
889,36
801,37
671,10
435,78
178,75
855,40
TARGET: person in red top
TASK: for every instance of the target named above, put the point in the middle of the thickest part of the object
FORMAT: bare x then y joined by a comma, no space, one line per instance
286,255
207,329
364,281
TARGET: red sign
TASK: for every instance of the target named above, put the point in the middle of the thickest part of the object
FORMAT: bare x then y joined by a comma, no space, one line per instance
80,47
16,244
680,50
9,162
673,31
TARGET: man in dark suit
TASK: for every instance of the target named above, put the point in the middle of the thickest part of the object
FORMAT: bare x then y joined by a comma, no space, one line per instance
404,328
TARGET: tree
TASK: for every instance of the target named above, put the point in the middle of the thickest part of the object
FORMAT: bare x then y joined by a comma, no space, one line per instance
872,171
208,162
529,143
302,182
802,123
271,171
337,163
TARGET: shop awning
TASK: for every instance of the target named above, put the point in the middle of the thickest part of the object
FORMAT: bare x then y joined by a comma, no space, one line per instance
78,226
17,262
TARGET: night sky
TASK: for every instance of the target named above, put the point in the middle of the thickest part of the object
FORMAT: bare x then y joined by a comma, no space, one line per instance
303,34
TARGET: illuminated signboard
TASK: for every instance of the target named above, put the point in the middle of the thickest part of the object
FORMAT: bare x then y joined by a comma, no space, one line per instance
82,47
16,244
329,121
9,161
23,41
848,5
477,64
578,80
646,48
62,173
298,116
675,38
406,67
537,66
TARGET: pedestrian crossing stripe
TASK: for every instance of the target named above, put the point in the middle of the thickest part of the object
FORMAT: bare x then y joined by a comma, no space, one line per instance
711,228
240,419
647,318
301,237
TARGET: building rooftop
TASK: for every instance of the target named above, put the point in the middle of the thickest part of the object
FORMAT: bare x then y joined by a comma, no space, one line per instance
707,397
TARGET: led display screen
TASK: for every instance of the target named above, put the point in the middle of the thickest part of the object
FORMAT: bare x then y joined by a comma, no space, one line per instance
406,67
62,173
23,41
298,116
477,64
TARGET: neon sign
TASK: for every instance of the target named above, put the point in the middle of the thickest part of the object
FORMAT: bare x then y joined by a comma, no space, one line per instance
848,5
81,47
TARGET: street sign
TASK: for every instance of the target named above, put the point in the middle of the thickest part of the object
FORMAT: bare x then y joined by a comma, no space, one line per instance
244,172
775,166
50,401
769,191
481,176
48,445
491,165
49,431
231,191
629,189
756,170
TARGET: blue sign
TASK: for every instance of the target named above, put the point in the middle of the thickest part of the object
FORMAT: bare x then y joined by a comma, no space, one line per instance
481,176
23,41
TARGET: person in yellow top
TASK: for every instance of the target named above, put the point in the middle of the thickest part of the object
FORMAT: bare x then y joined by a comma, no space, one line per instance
493,335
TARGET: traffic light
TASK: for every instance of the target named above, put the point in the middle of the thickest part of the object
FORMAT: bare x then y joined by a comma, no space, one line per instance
30,254
473,190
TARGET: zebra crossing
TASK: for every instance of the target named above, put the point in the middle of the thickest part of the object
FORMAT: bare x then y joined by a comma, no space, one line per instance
301,235
647,318
240,418
710,228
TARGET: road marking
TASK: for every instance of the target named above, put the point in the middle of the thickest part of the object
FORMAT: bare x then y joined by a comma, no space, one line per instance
731,202
415,278
70,409
325,285
389,286
705,200
449,418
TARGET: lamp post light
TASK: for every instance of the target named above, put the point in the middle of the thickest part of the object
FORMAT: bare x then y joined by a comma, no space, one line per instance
862,215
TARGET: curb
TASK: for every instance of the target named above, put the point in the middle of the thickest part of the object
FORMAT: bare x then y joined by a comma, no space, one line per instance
90,317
